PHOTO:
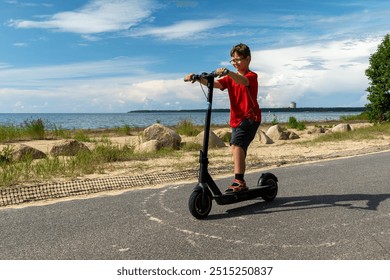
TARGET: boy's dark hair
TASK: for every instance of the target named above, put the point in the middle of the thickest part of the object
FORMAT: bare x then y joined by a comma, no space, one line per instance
242,50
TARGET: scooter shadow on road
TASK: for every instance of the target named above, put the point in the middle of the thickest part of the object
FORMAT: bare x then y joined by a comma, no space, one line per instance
300,203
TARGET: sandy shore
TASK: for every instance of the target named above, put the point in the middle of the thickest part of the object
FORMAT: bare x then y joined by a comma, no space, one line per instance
281,152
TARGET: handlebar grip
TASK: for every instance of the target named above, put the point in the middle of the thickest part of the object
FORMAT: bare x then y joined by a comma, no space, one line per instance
188,80
193,78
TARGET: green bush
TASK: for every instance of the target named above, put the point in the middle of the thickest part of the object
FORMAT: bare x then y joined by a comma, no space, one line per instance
293,123
35,128
275,121
378,74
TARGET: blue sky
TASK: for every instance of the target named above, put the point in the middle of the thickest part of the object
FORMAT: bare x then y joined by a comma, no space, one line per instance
117,55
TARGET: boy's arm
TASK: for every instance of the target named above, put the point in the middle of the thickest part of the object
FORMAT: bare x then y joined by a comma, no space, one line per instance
239,79
216,83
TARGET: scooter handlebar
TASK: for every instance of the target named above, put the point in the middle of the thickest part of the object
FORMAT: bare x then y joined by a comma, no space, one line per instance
197,77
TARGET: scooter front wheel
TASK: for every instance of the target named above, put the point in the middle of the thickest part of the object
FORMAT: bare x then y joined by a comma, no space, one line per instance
200,204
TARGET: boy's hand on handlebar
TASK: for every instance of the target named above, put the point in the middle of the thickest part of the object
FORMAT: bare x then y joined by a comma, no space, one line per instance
189,78
222,72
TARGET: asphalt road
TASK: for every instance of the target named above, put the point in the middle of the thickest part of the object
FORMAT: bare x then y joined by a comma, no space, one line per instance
337,209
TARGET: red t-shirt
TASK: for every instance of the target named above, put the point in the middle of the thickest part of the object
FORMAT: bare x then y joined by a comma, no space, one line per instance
242,106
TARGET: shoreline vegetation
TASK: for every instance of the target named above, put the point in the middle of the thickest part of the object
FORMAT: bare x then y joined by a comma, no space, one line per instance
272,110
113,151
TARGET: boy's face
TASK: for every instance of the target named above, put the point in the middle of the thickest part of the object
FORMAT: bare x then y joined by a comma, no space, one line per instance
241,64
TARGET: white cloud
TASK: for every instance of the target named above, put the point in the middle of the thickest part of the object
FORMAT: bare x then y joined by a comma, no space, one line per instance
100,16
95,17
20,45
158,92
54,74
4,65
187,29
116,85
328,74
332,70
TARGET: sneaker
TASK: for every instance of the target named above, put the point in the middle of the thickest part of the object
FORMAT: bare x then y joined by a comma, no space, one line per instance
237,186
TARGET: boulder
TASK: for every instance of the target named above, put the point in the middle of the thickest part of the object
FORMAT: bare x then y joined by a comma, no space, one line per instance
263,138
214,140
292,135
68,148
276,132
23,151
342,127
149,147
224,134
166,136
316,130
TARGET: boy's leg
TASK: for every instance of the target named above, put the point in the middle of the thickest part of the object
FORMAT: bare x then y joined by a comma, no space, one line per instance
239,169
238,159
241,138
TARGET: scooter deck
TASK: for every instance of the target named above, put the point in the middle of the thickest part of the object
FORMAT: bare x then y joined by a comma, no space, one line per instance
233,197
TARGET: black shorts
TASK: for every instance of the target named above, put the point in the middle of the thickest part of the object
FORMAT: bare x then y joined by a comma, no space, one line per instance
243,134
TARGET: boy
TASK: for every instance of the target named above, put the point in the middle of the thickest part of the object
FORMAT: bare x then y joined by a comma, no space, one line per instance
245,113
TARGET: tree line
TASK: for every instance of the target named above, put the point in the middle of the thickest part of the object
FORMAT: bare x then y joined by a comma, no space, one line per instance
378,74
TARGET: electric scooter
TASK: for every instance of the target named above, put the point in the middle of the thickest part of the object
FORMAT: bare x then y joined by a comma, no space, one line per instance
206,190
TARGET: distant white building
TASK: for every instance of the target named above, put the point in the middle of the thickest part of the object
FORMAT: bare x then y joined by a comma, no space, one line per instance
293,105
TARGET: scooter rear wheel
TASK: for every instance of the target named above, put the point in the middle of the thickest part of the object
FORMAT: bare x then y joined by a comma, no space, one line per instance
200,204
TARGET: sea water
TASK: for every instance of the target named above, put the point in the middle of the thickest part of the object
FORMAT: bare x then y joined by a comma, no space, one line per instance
145,119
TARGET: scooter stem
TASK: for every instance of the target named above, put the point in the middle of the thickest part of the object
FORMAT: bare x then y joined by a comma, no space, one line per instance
203,157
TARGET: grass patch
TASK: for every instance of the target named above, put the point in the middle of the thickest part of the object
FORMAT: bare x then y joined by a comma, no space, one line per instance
95,161
187,128
38,129
83,163
191,147
80,135
360,117
6,154
360,134
29,130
